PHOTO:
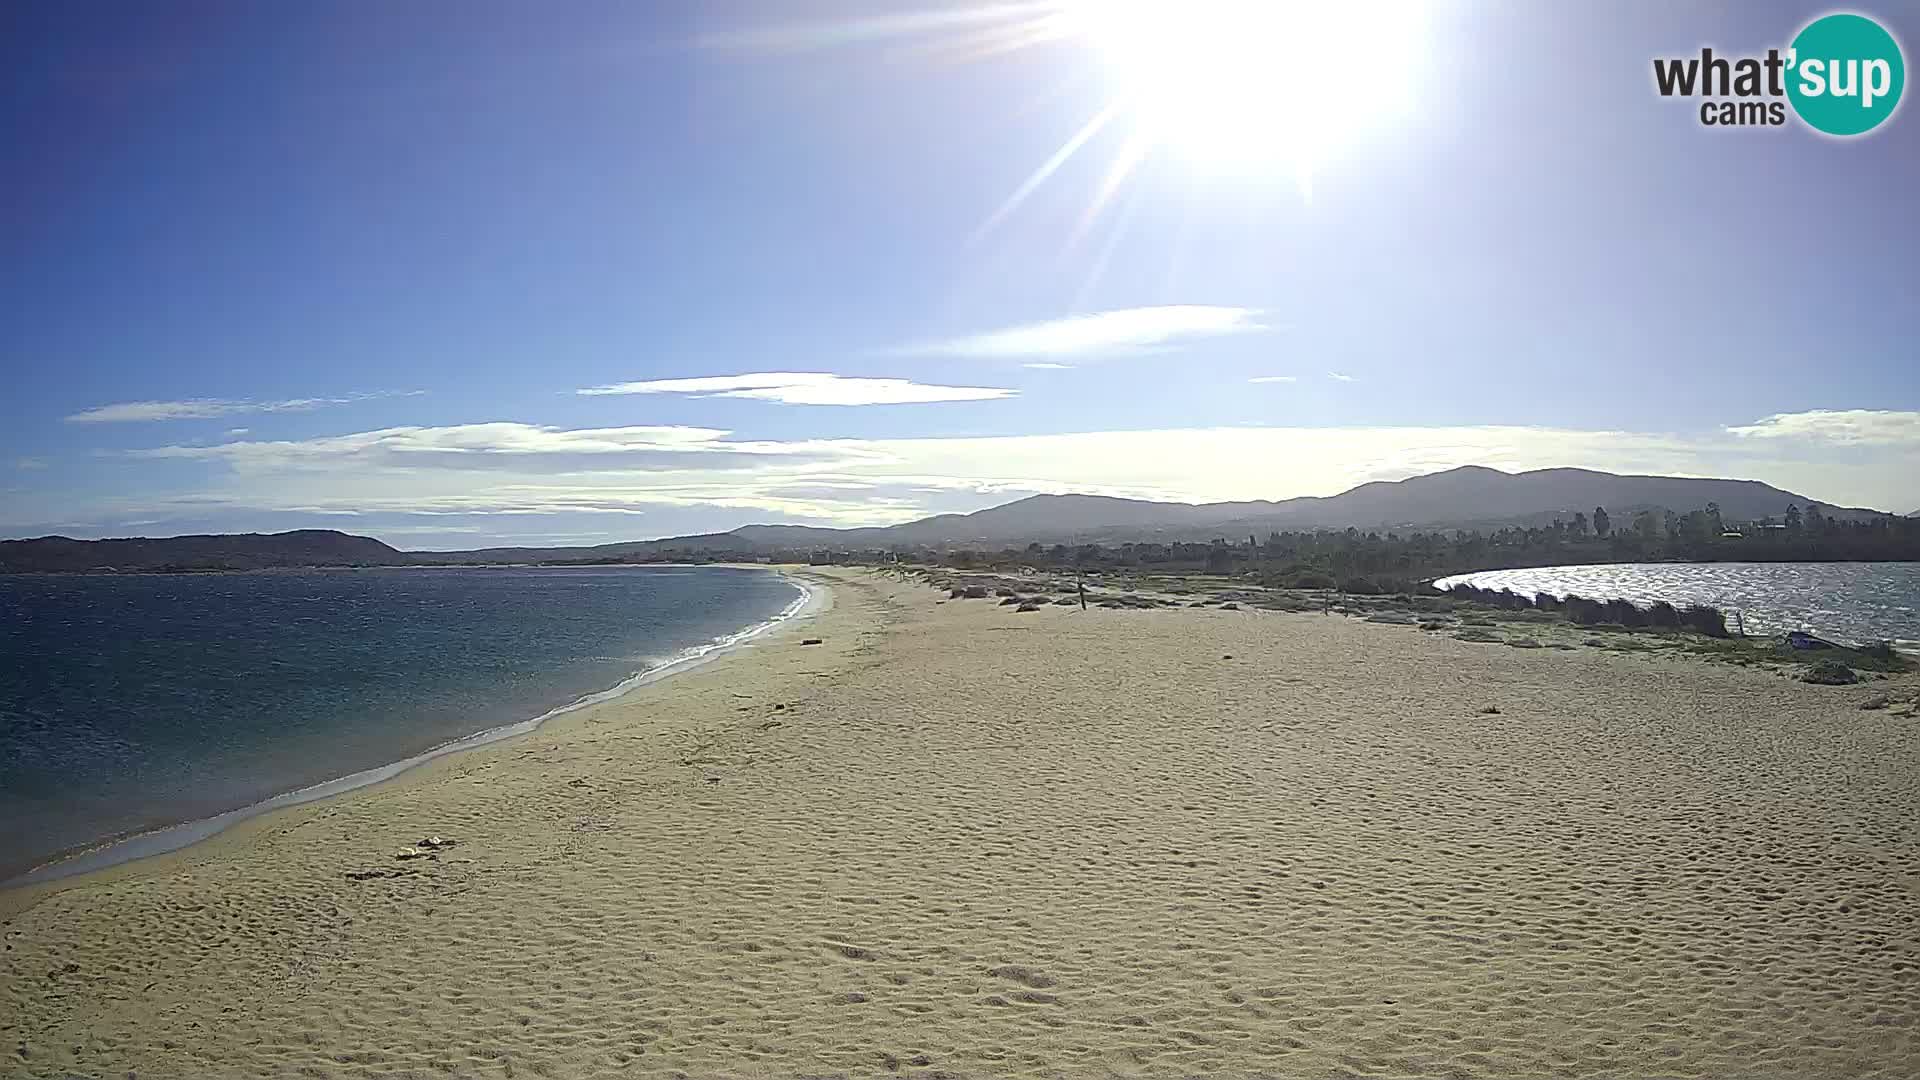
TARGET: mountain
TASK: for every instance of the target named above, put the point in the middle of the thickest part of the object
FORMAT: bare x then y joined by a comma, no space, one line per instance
247,551
1467,497
1470,496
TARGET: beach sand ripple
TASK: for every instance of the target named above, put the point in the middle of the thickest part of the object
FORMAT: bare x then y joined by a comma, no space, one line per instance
957,840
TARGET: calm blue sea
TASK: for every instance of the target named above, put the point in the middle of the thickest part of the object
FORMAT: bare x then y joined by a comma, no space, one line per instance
129,702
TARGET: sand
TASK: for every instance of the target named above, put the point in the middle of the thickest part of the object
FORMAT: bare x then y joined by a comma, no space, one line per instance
957,840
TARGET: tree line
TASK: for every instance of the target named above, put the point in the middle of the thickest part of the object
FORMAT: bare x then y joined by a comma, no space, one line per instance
1391,560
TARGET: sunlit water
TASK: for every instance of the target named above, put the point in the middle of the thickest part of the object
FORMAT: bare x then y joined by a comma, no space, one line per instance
1853,602
129,702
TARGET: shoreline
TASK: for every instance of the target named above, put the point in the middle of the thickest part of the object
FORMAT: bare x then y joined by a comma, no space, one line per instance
954,838
108,853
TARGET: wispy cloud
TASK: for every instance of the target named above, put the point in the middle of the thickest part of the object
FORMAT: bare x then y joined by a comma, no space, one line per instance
1037,20
1274,379
1846,427
1046,365
1118,331
209,408
807,388
1340,376
706,477
506,446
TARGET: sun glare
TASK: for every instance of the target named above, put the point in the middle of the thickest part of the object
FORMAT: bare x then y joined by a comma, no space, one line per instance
1276,86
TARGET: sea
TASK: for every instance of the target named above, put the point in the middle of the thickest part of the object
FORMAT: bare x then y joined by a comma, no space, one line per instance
154,709
1853,603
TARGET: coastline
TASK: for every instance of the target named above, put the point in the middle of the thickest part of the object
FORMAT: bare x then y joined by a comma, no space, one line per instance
957,839
115,851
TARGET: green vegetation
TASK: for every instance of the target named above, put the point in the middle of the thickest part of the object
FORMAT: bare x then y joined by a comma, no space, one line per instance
1377,563
1830,673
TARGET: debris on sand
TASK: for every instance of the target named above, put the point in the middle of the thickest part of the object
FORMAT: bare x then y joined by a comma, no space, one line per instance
1830,673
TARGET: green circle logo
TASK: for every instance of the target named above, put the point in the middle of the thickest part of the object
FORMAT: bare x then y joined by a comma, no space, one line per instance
1845,74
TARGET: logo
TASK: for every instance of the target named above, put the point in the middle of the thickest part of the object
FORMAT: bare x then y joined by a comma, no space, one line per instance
1842,75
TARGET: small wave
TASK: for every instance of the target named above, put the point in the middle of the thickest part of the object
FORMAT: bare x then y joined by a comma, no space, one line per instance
812,600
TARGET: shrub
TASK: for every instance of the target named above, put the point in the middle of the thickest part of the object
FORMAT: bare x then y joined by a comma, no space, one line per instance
1476,635
1879,650
1624,613
1311,579
1706,620
1546,601
1829,673
1663,614
1585,612
1361,586
974,592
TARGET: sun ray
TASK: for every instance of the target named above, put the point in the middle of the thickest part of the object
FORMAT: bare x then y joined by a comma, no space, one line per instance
1132,152
1047,169
1098,271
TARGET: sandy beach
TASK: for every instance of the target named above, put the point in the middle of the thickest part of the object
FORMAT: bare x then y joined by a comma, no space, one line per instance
952,839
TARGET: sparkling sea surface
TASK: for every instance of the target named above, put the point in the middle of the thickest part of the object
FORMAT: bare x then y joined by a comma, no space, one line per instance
129,702
1851,602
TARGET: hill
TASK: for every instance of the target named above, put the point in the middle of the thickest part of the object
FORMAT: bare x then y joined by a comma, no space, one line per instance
1466,497
238,551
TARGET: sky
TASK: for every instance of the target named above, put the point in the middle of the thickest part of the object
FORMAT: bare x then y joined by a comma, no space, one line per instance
466,274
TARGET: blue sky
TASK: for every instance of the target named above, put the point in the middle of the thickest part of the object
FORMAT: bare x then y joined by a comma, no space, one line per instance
351,265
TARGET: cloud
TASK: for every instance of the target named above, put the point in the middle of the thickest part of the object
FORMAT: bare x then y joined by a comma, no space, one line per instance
504,446
208,408
1848,427
1128,329
1274,379
29,464
1338,376
807,388
633,482
1043,365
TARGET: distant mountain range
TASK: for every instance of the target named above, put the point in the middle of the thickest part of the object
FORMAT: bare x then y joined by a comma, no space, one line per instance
1467,497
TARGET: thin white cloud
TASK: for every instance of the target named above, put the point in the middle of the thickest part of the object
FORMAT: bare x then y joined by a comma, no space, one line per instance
681,475
1274,379
807,388
1845,427
505,445
1340,376
1044,365
208,408
1124,330
1029,17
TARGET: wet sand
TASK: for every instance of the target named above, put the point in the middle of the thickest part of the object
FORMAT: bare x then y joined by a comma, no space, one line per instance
953,839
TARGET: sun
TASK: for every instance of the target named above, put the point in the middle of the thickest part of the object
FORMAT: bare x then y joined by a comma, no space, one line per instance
1273,86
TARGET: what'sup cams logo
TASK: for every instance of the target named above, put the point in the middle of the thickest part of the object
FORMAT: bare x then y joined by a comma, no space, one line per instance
1842,75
